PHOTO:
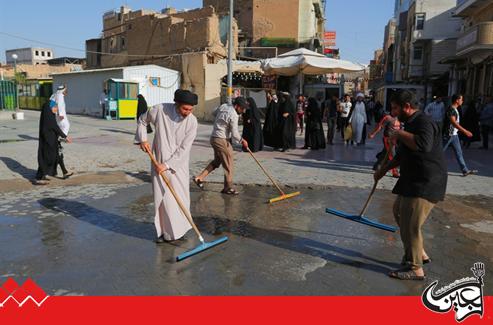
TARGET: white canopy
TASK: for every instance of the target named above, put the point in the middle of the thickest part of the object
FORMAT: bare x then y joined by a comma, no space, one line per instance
306,62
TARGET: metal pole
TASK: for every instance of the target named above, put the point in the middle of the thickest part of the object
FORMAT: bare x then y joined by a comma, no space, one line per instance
16,88
230,52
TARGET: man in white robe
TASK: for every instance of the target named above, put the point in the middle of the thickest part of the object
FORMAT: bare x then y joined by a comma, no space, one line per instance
358,119
175,131
62,118
58,100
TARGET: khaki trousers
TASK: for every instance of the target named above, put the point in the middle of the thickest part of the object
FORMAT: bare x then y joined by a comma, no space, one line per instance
223,155
410,213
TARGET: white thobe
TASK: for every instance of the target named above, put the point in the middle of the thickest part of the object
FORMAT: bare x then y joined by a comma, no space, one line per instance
358,120
64,124
173,139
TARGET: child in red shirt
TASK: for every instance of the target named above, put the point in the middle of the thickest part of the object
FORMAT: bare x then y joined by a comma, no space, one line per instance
388,123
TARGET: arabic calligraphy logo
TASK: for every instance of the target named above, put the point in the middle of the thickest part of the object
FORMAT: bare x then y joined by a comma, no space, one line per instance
464,295
29,290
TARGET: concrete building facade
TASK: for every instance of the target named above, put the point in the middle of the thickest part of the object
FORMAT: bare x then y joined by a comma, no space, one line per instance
426,31
284,24
472,71
186,41
30,55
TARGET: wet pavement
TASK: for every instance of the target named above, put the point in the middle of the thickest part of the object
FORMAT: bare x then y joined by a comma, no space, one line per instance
93,233
97,239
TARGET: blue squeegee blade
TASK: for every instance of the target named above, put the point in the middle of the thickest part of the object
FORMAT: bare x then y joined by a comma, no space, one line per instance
202,247
362,220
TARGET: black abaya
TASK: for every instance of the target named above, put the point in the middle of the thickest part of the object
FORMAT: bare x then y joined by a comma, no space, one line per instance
288,124
48,153
141,109
252,128
271,131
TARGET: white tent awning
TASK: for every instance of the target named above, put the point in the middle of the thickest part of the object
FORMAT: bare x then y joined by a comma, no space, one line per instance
307,62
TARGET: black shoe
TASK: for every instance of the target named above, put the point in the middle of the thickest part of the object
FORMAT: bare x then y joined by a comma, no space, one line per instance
160,240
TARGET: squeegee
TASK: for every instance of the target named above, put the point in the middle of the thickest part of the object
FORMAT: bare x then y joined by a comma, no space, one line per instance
203,244
361,218
283,196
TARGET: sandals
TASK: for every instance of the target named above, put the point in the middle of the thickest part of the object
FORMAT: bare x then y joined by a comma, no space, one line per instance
406,274
198,182
230,191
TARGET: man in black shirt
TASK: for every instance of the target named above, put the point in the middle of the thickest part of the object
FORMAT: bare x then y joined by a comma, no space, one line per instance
422,183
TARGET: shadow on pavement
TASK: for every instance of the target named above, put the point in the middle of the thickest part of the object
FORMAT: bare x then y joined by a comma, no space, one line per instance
363,168
217,226
101,219
18,168
27,137
118,131
143,176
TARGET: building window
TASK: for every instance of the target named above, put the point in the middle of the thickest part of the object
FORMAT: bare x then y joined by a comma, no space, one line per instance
418,53
36,52
42,53
420,21
123,43
48,54
129,27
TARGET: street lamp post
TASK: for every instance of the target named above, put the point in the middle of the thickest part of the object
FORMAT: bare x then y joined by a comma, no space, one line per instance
15,57
230,51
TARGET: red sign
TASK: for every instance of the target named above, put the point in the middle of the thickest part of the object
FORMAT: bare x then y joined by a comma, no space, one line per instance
330,38
330,35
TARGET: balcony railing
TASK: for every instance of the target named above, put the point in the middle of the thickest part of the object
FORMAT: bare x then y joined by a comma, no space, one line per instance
466,7
477,38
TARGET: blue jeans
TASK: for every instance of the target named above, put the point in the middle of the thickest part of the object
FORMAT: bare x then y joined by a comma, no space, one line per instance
455,142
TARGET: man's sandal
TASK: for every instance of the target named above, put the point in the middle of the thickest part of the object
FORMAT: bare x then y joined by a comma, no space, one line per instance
230,191
406,274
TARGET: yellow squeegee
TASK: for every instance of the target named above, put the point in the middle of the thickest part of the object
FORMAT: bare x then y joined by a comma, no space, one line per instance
283,196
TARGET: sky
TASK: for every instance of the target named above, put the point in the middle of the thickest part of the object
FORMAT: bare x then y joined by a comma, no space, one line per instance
359,23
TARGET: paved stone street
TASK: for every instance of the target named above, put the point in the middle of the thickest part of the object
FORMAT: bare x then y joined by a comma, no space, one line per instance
92,234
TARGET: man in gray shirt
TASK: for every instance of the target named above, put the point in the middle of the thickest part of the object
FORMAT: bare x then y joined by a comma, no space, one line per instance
224,132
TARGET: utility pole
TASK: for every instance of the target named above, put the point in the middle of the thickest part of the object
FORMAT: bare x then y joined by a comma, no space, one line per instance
15,57
230,52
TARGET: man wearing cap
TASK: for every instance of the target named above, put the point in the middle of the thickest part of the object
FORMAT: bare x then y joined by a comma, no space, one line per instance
225,130
175,131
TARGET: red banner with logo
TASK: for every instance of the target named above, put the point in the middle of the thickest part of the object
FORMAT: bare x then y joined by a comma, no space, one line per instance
232,310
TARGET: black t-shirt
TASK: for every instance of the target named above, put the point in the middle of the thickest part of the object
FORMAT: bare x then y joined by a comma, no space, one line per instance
448,127
423,172
332,108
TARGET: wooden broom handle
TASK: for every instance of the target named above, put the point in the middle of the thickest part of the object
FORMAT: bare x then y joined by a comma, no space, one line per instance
175,195
265,172
374,186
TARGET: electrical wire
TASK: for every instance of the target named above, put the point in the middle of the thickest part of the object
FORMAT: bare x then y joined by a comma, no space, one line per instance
102,53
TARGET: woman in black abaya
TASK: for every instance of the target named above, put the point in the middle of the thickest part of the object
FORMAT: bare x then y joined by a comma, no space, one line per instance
288,123
48,154
252,127
271,131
